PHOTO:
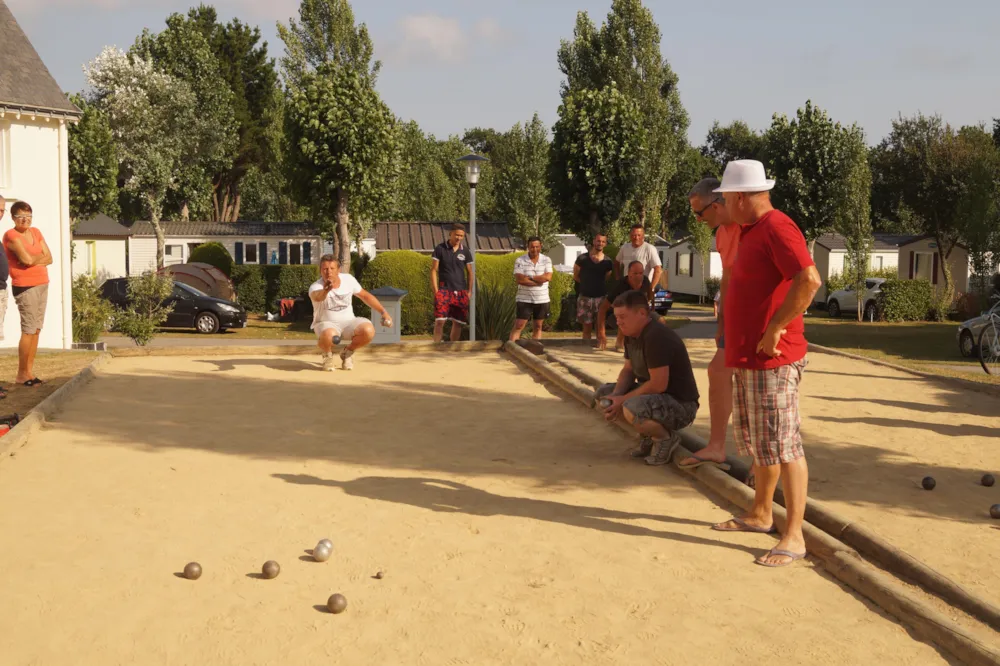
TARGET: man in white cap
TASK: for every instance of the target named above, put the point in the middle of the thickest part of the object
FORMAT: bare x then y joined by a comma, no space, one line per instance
774,279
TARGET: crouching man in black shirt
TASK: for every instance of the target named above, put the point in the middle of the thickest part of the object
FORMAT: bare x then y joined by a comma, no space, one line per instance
656,391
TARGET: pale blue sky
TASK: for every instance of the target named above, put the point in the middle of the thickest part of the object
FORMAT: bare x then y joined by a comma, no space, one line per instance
864,61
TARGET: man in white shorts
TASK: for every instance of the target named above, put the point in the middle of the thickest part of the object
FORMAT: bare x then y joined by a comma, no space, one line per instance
333,313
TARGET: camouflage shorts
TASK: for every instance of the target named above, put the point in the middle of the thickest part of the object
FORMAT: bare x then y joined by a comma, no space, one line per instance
662,408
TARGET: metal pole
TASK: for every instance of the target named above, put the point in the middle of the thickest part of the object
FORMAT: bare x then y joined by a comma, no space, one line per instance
472,253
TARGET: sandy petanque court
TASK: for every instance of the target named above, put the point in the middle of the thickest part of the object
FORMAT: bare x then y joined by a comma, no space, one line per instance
871,434
510,524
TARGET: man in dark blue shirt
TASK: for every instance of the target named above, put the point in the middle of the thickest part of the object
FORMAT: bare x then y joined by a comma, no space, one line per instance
452,279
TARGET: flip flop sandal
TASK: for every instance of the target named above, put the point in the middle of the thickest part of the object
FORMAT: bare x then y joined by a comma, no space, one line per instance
777,551
33,382
751,481
725,467
744,527
3,393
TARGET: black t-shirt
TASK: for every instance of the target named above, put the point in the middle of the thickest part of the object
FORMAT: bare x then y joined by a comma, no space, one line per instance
451,266
658,346
593,275
622,286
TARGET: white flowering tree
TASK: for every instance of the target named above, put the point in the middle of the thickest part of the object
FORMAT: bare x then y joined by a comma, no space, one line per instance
150,114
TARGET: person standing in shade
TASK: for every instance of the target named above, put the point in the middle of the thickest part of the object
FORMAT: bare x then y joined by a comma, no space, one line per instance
633,280
774,279
452,279
27,256
533,272
591,274
639,250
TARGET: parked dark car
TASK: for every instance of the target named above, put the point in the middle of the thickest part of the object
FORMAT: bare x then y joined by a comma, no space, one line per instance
191,307
662,300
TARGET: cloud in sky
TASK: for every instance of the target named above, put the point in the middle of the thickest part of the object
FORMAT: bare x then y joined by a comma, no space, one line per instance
423,37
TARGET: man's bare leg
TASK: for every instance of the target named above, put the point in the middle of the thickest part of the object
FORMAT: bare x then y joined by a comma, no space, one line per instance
363,335
536,330
438,329
325,344
760,514
720,405
587,330
519,325
456,331
795,484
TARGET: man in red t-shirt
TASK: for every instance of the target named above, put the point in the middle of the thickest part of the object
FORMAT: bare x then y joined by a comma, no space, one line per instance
773,282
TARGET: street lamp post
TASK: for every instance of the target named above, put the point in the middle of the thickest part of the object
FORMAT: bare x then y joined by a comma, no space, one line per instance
472,163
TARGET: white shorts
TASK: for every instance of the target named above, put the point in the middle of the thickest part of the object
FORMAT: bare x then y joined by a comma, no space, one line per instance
346,331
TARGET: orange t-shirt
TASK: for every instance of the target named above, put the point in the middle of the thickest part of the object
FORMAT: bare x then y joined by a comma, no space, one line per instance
727,240
21,275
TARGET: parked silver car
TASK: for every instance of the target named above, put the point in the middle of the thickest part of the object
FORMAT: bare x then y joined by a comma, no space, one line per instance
968,331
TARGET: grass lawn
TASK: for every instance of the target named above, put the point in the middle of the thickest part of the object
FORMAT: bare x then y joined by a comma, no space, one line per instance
259,328
927,346
53,368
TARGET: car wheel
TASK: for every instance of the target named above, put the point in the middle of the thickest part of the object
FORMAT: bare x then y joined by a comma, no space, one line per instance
834,309
966,345
869,313
206,323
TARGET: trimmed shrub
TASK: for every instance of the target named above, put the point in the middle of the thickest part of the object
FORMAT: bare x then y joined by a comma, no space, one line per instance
499,270
494,310
146,311
410,271
92,315
905,300
712,286
214,254
258,287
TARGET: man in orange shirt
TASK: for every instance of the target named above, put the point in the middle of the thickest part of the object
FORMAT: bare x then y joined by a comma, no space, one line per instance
709,208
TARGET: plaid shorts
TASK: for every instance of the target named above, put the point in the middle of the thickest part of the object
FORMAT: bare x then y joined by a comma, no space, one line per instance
660,407
586,308
766,418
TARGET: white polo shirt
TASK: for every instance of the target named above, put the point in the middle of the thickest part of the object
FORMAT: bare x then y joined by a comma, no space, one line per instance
525,266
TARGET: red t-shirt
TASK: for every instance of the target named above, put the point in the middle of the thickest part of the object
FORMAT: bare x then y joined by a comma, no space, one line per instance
772,252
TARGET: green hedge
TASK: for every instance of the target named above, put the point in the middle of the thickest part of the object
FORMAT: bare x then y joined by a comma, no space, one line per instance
837,281
407,270
214,254
496,270
257,286
905,300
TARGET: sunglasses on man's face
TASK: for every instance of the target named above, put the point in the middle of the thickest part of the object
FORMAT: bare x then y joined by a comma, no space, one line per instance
699,213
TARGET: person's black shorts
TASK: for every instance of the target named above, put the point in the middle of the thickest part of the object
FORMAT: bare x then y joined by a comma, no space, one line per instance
534,311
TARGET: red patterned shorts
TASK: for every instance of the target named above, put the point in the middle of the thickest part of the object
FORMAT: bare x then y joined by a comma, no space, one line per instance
452,305
766,419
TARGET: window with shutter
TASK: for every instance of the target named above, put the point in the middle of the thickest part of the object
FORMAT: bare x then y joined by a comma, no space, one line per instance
282,253
307,252
239,254
262,252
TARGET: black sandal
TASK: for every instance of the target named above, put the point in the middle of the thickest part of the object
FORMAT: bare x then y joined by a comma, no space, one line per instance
33,382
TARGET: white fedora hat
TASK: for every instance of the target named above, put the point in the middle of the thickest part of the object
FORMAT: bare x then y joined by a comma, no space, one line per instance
744,176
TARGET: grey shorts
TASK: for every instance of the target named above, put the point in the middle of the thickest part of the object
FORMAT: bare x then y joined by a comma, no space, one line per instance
31,302
661,407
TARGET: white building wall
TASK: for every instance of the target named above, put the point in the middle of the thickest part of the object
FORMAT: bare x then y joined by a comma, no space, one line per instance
142,249
566,255
36,170
693,284
101,258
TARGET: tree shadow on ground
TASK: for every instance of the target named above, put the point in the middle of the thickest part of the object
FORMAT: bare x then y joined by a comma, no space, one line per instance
945,430
956,403
451,497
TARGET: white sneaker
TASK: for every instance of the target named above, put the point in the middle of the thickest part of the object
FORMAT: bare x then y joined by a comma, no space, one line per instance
329,362
347,362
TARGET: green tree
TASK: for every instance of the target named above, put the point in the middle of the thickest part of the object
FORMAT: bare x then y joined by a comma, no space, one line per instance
425,189
521,161
979,205
342,148
93,164
183,52
693,166
927,167
853,221
808,157
326,34
253,81
625,52
735,141
150,113
596,146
